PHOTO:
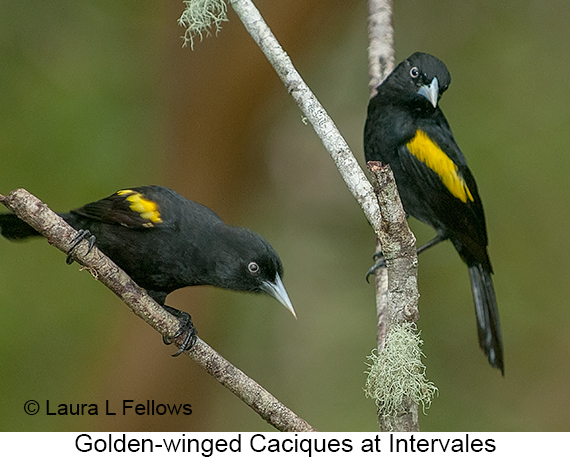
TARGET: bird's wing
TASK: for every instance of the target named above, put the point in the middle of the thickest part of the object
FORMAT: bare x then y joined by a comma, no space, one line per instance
448,186
125,207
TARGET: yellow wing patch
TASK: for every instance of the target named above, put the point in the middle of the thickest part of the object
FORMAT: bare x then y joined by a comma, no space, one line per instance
423,148
146,208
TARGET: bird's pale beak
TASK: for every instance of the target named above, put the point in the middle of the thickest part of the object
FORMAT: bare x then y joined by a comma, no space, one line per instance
430,92
277,290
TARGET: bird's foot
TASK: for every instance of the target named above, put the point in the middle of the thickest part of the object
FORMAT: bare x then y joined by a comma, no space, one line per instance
186,327
81,235
380,262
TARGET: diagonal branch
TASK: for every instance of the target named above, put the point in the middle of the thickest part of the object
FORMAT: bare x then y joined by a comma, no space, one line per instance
61,235
323,125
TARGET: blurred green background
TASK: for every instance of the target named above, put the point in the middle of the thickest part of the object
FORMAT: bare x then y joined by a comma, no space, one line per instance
100,95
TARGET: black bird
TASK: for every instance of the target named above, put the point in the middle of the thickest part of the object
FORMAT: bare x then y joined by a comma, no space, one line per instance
406,129
165,242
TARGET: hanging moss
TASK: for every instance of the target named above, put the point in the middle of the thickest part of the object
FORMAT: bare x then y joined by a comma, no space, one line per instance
398,372
200,16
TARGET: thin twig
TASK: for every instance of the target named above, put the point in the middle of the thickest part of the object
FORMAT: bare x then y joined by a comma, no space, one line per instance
61,235
323,125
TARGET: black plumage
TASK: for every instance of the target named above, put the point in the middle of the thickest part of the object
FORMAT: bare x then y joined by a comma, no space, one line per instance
406,129
164,242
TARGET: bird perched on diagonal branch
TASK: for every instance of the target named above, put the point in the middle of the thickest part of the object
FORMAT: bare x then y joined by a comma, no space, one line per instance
406,129
165,242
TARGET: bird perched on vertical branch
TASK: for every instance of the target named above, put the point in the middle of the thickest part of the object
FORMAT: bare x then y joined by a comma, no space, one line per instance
165,242
406,129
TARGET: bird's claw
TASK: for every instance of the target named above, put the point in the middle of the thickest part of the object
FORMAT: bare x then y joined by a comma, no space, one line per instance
186,327
377,256
81,235
380,262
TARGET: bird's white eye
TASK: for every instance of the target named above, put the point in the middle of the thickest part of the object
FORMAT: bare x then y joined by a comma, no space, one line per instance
414,72
253,268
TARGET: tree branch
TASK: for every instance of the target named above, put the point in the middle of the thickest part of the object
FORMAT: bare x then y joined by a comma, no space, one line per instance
399,248
380,64
396,286
323,125
380,42
61,235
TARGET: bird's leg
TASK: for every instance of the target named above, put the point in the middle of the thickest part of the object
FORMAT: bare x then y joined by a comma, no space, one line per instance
381,261
81,235
186,326
436,240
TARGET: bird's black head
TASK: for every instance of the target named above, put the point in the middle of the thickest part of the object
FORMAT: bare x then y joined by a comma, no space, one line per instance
247,262
420,80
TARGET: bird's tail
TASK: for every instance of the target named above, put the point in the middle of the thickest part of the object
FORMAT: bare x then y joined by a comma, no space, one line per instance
488,326
13,228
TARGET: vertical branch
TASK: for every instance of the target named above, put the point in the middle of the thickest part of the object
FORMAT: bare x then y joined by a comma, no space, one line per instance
397,376
399,249
380,64
380,42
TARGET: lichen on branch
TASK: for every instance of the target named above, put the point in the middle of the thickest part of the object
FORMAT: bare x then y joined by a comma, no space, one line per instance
200,16
397,374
